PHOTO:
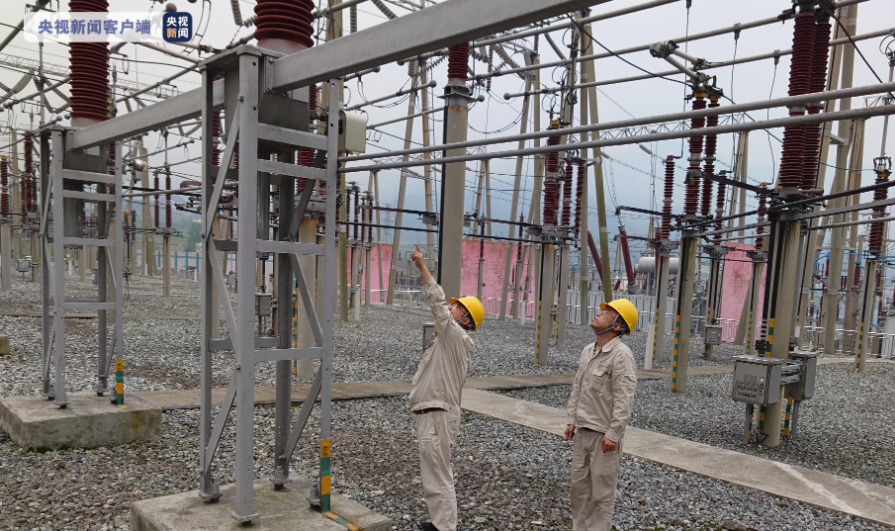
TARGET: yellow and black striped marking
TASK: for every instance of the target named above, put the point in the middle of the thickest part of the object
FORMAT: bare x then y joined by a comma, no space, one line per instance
325,474
119,382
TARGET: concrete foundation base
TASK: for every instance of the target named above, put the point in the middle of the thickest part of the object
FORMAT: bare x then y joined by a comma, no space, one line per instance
35,423
283,510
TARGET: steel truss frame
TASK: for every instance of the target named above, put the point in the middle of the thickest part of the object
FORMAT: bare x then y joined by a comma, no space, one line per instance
62,183
256,139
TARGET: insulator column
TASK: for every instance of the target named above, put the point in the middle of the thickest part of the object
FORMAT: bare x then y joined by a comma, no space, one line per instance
880,194
691,199
215,143
168,200
89,72
567,195
626,253
719,210
667,199
762,210
579,193
551,194
157,201
4,188
711,144
801,65
818,84
306,155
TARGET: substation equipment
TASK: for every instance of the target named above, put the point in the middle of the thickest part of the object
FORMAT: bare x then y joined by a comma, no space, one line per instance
264,94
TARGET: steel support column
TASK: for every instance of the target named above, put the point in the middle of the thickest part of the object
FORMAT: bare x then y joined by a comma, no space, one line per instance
683,319
780,322
453,191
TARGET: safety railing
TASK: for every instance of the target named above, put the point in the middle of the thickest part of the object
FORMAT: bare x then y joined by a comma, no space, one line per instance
729,329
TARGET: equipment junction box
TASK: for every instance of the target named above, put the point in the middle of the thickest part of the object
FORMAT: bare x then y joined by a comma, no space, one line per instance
262,304
756,380
352,132
805,386
712,335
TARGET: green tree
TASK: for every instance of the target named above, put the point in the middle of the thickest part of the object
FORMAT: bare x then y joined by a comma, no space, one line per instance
193,236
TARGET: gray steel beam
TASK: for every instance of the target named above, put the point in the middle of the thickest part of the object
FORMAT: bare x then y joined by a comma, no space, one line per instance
428,29
177,109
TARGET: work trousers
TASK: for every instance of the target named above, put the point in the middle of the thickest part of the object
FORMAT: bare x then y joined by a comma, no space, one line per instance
594,477
437,431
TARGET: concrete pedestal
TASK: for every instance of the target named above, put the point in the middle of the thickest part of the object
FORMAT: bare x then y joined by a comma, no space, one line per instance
283,510
35,423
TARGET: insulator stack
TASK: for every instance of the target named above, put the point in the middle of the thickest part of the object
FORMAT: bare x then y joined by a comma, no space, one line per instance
876,229
215,142
759,230
285,20
666,201
626,253
305,154
356,211
89,63
857,283
4,187
818,84
567,195
28,179
29,155
458,63
691,198
581,175
793,156
157,202
519,246
551,194
711,145
168,200
370,219
719,210
110,161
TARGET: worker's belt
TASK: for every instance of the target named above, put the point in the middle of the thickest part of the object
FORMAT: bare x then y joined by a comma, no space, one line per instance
588,429
429,410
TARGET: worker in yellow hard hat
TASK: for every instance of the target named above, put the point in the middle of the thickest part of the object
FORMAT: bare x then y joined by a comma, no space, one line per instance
435,395
599,409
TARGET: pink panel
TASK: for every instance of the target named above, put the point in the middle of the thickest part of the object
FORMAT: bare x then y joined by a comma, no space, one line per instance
737,276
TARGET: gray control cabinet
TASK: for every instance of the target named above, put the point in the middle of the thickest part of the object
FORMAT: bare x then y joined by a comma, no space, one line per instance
756,380
804,389
712,335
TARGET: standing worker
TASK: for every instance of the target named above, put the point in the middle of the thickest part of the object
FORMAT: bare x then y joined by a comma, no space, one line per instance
599,408
435,395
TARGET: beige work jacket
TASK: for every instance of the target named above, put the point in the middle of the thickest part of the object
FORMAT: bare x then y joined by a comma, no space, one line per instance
439,380
603,390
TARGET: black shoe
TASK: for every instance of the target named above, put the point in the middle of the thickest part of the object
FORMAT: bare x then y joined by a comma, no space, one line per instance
428,526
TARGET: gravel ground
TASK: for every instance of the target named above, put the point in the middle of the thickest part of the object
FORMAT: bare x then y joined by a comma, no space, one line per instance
161,352
508,477
844,429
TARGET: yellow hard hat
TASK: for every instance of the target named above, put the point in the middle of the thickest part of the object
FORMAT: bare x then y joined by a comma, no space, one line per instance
626,310
474,307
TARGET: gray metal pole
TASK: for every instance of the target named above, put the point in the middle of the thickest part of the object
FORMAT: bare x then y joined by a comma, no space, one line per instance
686,280
514,204
583,250
780,326
402,189
866,320
845,130
454,189
601,191
427,170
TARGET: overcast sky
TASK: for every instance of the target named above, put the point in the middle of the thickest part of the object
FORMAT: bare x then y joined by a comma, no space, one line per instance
627,174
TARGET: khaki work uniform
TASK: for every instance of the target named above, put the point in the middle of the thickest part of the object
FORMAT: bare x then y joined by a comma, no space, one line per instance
435,398
600,405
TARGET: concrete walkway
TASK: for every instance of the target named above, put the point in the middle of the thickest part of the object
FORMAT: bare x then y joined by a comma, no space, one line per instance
265,395
857,498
